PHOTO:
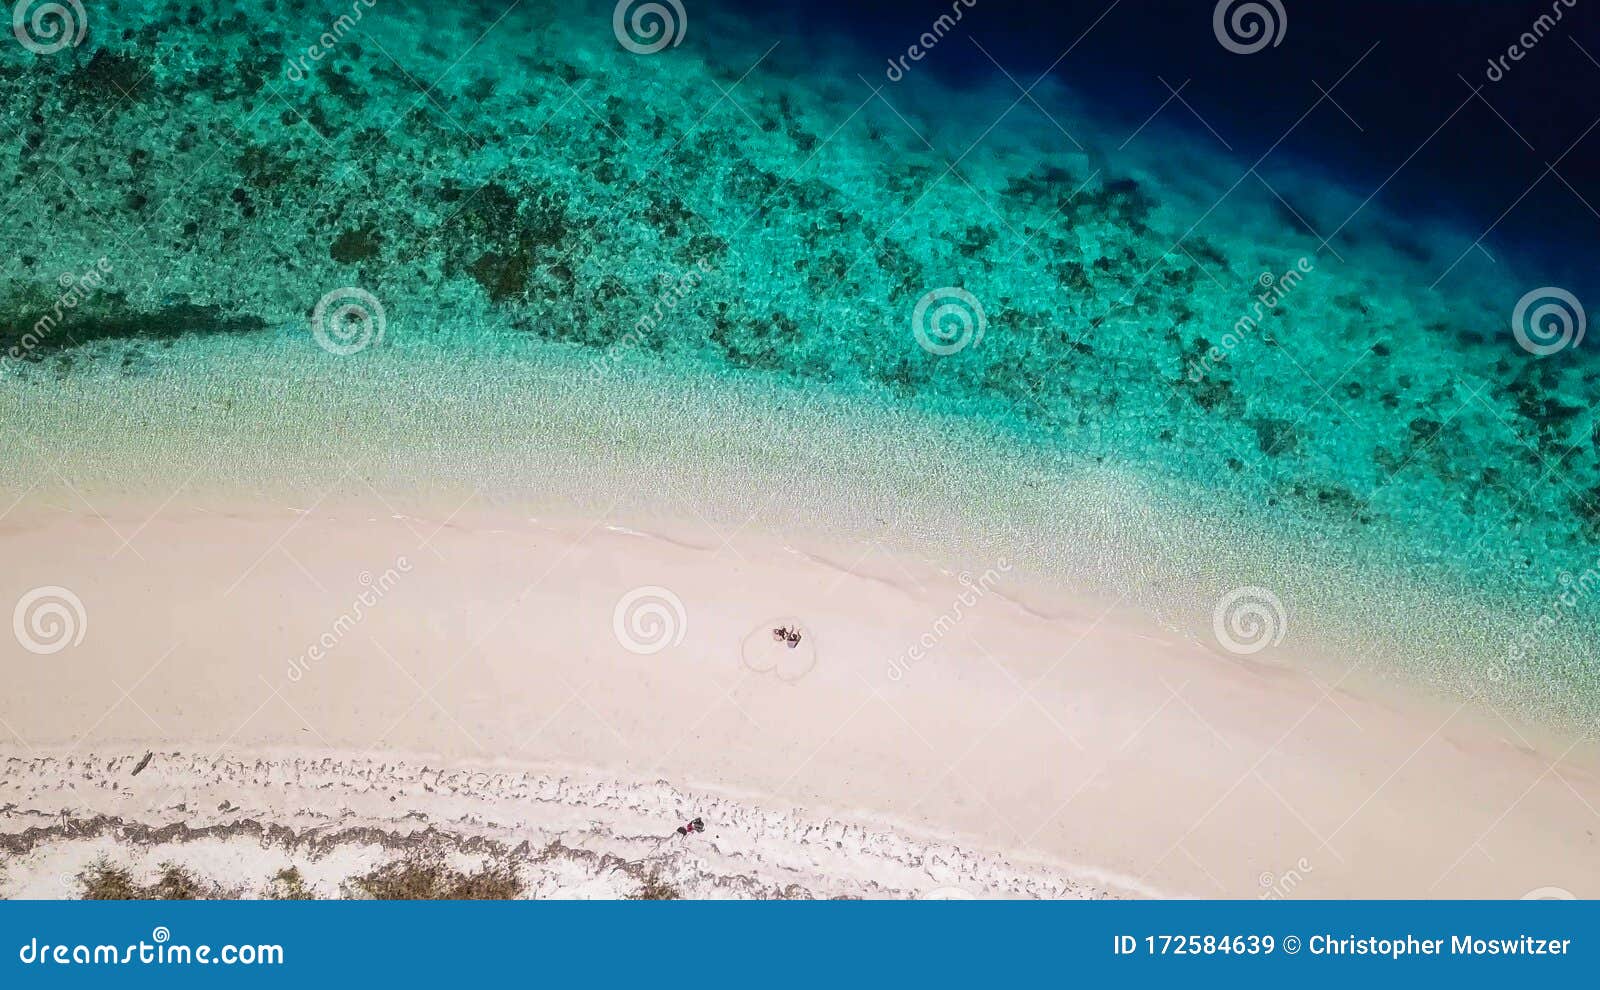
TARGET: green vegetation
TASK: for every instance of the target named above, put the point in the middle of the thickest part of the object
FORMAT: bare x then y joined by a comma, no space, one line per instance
654,888
288,885
426,877
103,881
420,876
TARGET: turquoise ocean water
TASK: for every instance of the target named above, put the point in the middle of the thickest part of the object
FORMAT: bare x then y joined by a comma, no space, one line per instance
287,223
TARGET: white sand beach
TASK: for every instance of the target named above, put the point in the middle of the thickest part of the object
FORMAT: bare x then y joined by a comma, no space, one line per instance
484,438
344,671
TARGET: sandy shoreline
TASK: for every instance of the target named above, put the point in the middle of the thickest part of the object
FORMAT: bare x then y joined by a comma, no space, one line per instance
422,431
239,820
1103,753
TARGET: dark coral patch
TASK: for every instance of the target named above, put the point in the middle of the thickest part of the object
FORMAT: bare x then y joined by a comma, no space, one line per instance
34,330
109,76
356,245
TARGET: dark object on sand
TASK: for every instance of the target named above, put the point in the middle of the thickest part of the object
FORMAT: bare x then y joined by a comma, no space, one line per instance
789,637
688,828
143,763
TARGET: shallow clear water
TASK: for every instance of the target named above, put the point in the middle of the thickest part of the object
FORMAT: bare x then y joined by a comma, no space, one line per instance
508,201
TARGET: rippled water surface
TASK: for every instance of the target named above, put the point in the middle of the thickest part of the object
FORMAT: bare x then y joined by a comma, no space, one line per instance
290,208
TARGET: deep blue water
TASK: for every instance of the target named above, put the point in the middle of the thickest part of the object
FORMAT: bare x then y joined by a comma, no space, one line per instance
764,205
1402,70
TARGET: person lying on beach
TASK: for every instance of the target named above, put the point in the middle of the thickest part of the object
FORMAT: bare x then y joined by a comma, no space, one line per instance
685,830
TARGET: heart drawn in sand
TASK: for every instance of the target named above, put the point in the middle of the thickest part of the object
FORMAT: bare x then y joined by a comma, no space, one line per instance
766,650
